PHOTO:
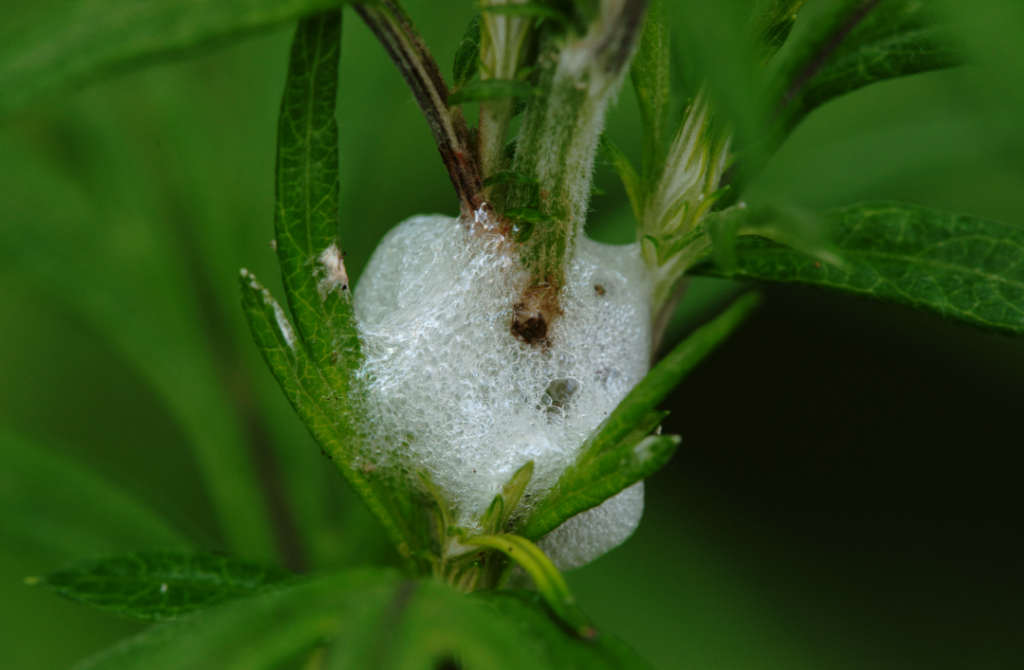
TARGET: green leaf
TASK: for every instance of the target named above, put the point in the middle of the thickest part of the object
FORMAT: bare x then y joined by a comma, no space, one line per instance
317,405
498,514
157,585
860,43
773,25
522,231
368,619
492,89
961,268
597,477
309,250
513,490
54,507
627,173
98,243
48,47
315,366
306,212
467,56
797,228
545,575
652,81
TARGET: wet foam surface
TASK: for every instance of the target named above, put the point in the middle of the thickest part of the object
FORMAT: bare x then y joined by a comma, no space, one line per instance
450,390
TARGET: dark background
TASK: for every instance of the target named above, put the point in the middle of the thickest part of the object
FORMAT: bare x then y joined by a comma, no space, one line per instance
847,493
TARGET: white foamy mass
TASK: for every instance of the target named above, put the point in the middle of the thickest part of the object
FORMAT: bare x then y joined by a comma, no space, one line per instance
452,392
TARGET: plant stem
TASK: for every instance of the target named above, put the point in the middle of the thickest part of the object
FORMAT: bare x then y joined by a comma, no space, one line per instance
495,116
560,132
393,27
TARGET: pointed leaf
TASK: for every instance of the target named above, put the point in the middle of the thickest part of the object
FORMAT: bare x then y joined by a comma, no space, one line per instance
56,508
627,173
490,520
545,575
498,514
596,479
467,56
317,405
652,81
158,585
859,43
773,25
962,268
306,214
513,491
46,47
306,218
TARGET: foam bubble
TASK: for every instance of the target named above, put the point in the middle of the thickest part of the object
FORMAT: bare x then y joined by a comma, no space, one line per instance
588,535
452,392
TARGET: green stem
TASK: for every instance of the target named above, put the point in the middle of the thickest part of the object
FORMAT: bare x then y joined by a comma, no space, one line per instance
560,132
495,116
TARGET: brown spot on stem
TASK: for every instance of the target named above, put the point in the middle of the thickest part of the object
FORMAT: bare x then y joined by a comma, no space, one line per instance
533,314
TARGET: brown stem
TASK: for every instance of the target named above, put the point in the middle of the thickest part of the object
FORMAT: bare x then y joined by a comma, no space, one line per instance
403,43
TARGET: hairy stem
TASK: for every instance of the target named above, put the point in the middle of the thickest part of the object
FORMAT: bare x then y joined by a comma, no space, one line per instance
560,132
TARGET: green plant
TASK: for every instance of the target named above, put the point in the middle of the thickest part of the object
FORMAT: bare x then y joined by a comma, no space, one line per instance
552,68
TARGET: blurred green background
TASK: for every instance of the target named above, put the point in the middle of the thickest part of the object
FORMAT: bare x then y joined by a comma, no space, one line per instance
847,494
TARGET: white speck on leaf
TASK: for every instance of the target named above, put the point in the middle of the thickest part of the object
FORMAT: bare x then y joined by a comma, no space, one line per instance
251,278
333,263
286,328
163,588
